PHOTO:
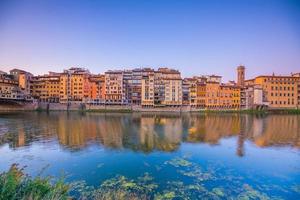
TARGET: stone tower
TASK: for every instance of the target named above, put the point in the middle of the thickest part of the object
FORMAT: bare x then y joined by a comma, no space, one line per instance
241,75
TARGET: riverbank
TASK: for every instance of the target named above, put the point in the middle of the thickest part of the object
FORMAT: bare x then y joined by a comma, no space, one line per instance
131,108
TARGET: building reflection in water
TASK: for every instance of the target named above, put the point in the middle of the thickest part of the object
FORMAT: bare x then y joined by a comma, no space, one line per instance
148,132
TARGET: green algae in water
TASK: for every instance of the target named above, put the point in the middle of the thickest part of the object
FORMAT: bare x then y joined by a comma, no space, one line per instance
197,174
218,191
100,165
196,187
166,195
250,193
194,171
145,187
145,178
179,162
120,187
296,188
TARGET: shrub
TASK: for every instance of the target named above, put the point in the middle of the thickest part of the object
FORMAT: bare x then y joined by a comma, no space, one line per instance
15,185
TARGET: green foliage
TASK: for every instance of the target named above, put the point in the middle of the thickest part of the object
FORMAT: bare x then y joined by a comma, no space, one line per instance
218,191
167,195
179,162
250,193
121,187
15,185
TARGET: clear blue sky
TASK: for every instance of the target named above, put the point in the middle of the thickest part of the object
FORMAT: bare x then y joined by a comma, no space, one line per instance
196,37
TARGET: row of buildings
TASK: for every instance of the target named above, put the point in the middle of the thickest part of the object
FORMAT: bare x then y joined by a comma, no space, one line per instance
152,88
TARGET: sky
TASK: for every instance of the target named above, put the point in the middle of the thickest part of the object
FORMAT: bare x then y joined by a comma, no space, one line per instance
194,36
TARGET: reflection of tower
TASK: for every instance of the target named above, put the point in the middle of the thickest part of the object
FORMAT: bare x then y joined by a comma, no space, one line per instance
241,137
240,149
241,75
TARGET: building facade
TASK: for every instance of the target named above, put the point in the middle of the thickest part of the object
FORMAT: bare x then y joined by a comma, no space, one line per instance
9,88
278,91
74,85
114,92
149,87
162,88
46,88
97,91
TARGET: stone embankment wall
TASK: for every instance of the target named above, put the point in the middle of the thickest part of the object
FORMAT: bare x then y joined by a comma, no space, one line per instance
18,107
106,108
96,108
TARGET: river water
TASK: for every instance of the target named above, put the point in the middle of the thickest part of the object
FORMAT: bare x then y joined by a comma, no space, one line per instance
159,155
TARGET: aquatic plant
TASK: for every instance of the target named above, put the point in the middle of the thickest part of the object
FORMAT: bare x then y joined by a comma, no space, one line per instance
179,162
296,188
218,191
179,190
15,184
121,187
250,193
165,195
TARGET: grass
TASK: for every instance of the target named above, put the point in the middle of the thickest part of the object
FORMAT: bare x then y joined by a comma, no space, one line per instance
15,185
250,111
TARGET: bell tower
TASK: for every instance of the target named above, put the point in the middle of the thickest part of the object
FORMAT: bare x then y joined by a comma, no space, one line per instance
241,75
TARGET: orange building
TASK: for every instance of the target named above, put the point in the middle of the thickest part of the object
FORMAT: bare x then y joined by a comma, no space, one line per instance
74,85
229,96
223,96
212,95
201,95
279,91
46,88
97,92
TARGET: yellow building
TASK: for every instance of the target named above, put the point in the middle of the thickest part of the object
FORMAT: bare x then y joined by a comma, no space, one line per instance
279,91
196,91
192,91
222,96
229,97
201,95
46,88
212,95
74,85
